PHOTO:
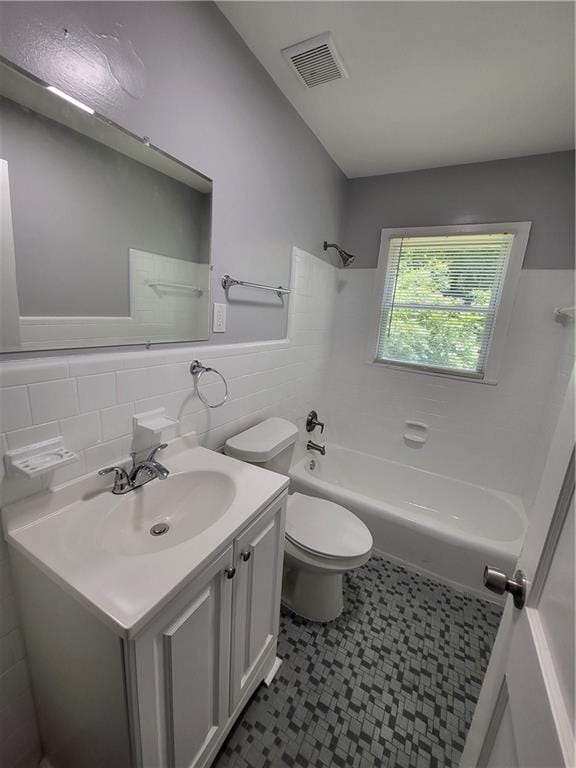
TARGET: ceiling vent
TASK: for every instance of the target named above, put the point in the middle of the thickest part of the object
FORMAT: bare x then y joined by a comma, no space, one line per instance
316,61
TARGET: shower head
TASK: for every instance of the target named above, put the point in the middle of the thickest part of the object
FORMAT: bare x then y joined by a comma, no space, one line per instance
347,258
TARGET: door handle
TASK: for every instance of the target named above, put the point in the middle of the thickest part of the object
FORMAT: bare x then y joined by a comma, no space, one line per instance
245,555
497,581
230,572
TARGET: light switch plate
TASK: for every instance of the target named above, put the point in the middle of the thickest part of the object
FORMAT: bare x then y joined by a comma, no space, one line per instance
219,318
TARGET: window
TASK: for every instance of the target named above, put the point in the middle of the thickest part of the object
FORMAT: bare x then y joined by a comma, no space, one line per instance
445,297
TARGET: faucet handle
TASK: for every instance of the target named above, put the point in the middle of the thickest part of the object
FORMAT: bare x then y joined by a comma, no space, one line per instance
155,450
121,479
107,470
312,422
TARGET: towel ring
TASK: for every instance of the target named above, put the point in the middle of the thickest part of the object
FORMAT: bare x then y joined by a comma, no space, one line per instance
198,370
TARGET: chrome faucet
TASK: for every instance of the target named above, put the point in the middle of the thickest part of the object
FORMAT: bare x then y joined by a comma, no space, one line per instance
140,474
312,446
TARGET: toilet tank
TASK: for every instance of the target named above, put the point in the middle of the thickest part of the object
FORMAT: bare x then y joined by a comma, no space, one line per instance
269,444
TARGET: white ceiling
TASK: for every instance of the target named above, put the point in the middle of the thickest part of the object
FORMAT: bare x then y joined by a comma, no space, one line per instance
431,83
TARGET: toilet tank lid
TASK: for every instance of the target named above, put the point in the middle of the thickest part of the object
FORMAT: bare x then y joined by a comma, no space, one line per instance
262,442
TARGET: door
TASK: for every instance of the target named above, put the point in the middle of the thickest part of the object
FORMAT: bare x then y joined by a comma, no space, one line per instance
259,554
183,668
525,713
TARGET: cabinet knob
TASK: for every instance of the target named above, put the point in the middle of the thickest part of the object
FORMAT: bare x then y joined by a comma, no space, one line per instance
230,572
245,555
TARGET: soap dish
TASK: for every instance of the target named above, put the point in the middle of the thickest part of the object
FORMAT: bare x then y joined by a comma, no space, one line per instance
39,458
153,423
416,433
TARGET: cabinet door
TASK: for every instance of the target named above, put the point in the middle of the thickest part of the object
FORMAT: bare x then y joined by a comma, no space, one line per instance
258,553
183,668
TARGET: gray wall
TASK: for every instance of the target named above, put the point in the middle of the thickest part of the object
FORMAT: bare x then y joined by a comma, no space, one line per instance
179,73
539,188
78,206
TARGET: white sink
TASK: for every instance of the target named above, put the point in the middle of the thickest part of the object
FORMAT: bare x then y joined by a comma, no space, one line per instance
99,547
165,513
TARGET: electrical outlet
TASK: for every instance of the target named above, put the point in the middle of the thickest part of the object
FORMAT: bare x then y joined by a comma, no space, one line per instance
219,318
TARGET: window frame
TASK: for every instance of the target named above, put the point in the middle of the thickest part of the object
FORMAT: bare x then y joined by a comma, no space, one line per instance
521,230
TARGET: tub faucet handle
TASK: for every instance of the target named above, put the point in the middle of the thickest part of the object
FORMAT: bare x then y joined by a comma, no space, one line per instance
312,422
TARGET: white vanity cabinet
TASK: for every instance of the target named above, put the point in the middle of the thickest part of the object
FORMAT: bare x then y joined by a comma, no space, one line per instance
256,601
182,672
199,660
163,694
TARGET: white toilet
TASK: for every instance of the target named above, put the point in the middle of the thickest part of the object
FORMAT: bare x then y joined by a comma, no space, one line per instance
323,539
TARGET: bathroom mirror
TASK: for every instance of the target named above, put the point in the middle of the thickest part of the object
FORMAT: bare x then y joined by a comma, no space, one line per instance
104,238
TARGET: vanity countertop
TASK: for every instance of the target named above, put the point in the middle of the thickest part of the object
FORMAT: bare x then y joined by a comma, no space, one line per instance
98,547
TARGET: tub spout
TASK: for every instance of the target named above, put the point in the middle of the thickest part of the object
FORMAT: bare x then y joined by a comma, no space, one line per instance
312,446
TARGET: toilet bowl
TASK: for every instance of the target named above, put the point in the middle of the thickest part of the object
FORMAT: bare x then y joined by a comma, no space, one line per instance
323,540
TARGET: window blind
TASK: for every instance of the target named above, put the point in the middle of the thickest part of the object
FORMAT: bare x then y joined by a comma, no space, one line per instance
441,295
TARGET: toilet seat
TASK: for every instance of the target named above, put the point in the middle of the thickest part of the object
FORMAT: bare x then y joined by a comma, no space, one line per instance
325,529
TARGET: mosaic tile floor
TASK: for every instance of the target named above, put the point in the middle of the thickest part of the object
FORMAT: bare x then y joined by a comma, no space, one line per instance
391,683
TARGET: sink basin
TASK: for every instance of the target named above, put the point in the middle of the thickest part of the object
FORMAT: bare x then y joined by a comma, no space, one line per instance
99,547
165,513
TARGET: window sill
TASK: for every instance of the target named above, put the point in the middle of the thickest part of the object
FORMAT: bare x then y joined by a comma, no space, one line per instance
406,368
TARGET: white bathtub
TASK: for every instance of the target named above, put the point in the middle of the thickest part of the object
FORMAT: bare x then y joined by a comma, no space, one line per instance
446,527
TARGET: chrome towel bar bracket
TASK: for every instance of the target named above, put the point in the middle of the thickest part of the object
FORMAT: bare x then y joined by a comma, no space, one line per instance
227,282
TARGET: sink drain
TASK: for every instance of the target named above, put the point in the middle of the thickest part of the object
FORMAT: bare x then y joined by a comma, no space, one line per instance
159,529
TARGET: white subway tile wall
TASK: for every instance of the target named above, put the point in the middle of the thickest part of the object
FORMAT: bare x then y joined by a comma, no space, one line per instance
496,436
53,400
96,392
90,401
14,408
131,385
116,421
